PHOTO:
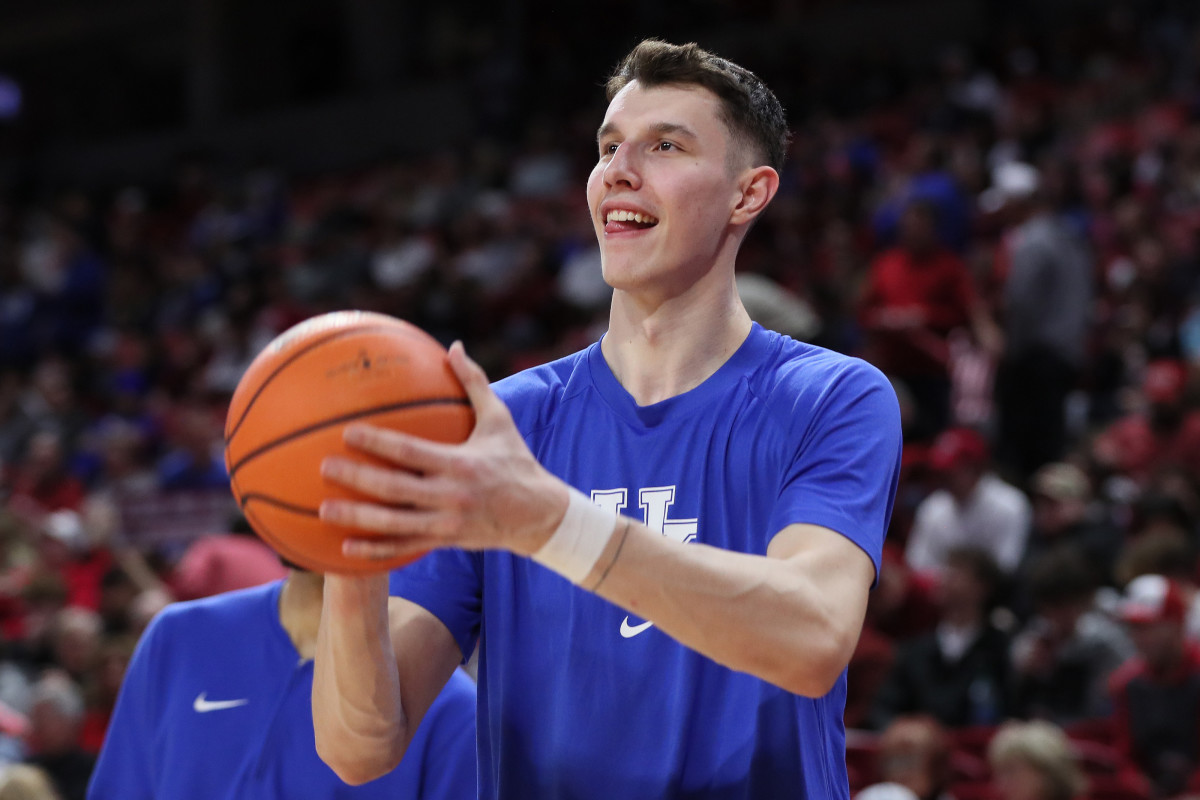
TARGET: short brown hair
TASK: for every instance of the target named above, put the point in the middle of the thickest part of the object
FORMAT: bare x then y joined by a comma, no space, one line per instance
749,109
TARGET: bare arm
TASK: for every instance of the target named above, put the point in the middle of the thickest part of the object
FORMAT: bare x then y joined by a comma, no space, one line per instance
791,618
380,664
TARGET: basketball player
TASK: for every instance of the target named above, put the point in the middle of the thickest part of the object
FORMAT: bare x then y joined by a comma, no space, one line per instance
216,705
664,542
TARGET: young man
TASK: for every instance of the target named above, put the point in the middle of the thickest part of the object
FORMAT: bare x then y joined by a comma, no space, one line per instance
216,704
717,493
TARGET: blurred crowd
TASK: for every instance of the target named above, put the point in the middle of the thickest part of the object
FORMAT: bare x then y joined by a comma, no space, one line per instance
1011,232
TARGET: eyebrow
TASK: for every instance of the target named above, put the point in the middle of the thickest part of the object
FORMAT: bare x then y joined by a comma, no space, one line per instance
658,128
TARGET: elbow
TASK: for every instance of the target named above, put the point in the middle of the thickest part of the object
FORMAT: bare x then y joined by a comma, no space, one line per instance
817,663
356,764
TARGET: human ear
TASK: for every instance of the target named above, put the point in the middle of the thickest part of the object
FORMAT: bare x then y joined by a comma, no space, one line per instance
757,186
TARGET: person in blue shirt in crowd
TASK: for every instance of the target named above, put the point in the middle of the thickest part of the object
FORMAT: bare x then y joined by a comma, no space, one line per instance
216,705
663,544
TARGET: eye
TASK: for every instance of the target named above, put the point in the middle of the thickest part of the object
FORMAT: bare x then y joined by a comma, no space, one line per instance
608,148
665,146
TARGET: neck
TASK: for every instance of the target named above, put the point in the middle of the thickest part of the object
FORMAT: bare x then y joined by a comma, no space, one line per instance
300,609
663,347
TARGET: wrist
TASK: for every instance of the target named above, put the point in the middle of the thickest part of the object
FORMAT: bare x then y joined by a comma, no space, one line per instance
350,595
580,538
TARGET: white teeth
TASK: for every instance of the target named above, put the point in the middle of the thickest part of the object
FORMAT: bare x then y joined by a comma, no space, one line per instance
620,215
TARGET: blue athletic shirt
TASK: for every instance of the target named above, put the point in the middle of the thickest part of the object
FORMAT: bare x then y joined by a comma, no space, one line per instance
577,698
217,704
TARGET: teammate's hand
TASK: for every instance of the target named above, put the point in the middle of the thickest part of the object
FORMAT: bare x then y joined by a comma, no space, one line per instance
487,493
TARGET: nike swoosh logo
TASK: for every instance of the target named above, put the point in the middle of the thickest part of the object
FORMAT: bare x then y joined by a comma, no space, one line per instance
203,705
630,631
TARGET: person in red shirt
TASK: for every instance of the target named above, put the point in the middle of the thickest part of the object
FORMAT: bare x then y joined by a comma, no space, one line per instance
917,293
1156,694
1163,434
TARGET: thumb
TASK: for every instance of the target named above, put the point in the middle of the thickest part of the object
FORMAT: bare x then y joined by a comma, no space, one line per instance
472,377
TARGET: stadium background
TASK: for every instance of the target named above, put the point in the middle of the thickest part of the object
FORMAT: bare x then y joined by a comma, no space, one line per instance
182,179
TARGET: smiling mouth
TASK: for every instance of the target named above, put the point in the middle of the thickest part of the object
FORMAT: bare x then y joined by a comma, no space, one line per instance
630,219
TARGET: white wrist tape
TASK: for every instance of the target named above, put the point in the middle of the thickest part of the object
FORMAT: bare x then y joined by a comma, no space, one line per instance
575,547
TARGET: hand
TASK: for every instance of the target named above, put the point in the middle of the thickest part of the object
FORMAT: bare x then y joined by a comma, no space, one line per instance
487,493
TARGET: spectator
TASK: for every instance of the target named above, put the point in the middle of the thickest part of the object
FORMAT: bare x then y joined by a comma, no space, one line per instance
974,507
197,459
41,482
75,641
1063,658
917,294
1064,515
1034,761
958,673
1156,695
1166,550
1047,290
914,752
1162,433
64,550
54,726
26,782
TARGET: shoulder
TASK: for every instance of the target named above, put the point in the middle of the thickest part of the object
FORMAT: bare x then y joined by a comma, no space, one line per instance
532,394
803,373
1003,495
937,505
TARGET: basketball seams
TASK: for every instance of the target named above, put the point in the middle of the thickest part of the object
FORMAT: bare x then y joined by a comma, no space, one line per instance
340,419
281,504
305,350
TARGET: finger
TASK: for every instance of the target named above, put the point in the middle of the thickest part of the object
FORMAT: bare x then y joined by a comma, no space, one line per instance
381,549
390,485
472,377
398,522
412,452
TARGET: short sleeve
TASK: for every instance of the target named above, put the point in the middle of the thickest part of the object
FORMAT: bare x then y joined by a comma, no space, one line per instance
449,585
846,458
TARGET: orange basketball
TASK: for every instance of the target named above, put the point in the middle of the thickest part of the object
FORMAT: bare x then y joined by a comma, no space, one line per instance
289,409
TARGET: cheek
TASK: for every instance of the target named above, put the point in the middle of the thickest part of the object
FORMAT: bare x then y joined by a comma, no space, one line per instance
595,184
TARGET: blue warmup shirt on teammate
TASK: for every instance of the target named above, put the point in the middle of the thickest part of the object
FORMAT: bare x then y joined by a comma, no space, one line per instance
578,699
217,705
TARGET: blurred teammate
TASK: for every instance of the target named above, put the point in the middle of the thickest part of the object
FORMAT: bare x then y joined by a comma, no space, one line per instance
216,704
704,502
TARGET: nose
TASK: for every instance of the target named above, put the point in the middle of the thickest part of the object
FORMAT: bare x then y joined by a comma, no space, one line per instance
622,168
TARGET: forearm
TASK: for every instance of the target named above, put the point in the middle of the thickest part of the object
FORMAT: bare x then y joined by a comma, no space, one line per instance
358,716
757,614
